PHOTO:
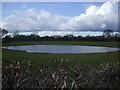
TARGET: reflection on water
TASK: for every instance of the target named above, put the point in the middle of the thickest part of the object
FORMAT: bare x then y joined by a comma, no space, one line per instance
62,49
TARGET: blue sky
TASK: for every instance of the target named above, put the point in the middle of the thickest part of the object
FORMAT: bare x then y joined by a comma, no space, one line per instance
70,9
70,17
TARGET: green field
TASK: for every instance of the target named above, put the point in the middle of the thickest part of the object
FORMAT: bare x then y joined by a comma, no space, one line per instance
84,43
73,59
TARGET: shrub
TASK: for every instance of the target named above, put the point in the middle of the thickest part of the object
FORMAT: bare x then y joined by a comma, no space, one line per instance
19,75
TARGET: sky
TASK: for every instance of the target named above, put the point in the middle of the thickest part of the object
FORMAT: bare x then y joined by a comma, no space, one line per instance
60,18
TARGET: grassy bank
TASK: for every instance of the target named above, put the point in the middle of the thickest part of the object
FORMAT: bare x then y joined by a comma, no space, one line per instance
74,59
84,43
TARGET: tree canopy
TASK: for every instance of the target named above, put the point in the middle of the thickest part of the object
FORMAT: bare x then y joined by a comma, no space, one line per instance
107,33
3,32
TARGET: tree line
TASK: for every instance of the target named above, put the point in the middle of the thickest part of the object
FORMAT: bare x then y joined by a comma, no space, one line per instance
107,36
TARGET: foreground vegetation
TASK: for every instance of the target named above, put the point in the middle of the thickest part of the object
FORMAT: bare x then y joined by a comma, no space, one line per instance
18,76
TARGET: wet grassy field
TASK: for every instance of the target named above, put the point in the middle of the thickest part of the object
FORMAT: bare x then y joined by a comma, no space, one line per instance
73,59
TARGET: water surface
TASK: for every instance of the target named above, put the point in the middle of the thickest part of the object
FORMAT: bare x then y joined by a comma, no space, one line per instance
62,49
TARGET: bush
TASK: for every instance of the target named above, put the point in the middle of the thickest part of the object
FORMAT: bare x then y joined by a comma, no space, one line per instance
19,75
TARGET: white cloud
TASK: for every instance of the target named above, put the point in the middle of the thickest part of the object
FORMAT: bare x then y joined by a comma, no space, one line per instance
95,18
32,19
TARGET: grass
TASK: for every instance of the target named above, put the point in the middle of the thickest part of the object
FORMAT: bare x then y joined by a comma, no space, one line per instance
84,43
89,70
39,58
74,59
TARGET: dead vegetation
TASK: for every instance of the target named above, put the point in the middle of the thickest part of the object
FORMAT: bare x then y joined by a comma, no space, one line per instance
20,75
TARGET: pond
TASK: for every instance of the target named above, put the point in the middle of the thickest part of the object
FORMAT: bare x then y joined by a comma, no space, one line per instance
62,49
